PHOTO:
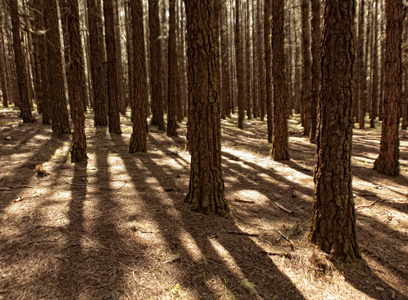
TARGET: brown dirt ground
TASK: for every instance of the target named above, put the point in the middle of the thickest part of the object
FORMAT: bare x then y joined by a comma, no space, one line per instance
116,227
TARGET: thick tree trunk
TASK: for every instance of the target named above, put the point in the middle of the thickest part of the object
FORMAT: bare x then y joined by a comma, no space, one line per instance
388,161
404,100
206,190
76,80
60,120
225,89
172,78
99,81
110,41
316,11
138,138
333,227
21,66
280,140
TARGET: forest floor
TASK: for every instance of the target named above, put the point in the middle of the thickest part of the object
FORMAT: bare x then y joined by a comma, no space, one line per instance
116,226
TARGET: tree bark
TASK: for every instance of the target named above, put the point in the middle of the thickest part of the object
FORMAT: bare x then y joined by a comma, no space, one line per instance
333,226
266,74
138,138
360,70
239,57
3,64
172,78
77,81
21,66
388,161
375,82
307,68
110,41
60,120
99,81
206,190
280,140
316,11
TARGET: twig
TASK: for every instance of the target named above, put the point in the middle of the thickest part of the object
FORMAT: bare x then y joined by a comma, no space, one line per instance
372,204
243,233
101,188
5,189
243,201
284,236
284,209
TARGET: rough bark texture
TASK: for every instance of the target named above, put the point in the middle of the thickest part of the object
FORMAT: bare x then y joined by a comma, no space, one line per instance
280,140
99,81
375,82
206,190
25,106
138,138
119,62
76,80
172,78
307,68
267,73
60,121
248,64
156,65
225,89
333,226
388,161
404,100
239,57
110,41
316,11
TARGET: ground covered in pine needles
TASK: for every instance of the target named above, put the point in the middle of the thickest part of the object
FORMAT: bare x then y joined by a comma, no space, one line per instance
116,226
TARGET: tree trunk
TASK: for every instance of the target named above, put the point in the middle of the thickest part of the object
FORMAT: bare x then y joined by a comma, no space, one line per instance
172,78
138,139
239,57
248,63
21,67
99,81
280,140
307,68
155,65
375,83
119,62
206,190
76,80
333,227
267,74
360,70
388,161
3,64
404,100
225,89
316,11
110,41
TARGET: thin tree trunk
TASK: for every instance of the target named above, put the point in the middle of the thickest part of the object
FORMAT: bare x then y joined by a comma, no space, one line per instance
359,74
375,83
172,73
267,74
307,68
239,56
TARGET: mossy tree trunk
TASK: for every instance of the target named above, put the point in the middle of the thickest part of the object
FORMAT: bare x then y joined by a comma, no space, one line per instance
388,161
138,138
333,226
280,140
206,190
21,67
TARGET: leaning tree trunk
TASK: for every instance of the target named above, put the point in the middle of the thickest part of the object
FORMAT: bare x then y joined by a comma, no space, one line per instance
60,120
76,80
110,41
333,227
21,67
280,141
206,190
388,161
138,139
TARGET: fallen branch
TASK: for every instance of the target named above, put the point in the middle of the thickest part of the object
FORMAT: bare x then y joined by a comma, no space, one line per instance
243,201
243,233
284,209
284,236
285,254
5,189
